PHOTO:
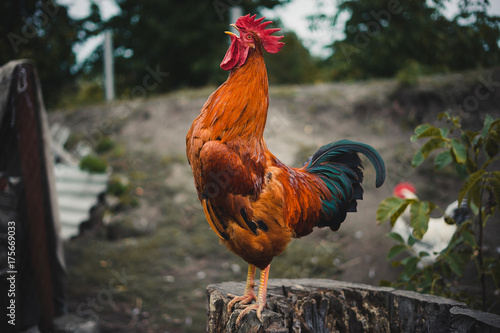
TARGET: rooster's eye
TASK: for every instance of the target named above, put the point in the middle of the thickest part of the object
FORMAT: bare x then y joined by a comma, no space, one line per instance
249,37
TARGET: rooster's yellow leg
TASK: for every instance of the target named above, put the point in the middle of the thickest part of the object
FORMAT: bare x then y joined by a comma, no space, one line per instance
248,295
261,299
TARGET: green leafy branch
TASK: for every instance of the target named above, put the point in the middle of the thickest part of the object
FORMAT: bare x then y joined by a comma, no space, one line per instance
473,154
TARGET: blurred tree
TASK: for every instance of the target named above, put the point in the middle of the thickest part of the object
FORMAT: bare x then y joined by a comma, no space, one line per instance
293,64
43,31
165,44
384,37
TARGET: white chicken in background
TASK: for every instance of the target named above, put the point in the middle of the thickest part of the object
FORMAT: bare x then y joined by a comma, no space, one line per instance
402,224
439,232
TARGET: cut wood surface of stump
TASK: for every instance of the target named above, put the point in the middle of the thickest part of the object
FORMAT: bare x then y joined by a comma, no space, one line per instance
319,305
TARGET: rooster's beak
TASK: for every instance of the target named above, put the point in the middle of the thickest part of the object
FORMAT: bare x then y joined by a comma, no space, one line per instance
230,33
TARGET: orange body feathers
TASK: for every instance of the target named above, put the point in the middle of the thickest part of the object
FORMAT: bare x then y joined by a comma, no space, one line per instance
252,201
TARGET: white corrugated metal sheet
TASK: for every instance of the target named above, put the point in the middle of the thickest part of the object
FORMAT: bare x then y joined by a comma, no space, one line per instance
77,192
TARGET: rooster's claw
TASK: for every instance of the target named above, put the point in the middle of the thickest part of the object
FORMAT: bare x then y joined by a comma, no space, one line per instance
243,300
257,306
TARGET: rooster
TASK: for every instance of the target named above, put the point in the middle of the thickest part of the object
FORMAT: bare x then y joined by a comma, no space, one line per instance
252,201
439,232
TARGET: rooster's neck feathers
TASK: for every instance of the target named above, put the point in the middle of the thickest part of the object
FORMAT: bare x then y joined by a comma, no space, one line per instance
238,109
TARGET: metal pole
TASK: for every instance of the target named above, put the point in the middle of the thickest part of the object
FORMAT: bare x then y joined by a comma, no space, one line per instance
109,79
234,13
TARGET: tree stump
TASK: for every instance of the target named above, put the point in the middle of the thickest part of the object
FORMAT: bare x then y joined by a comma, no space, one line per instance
318,305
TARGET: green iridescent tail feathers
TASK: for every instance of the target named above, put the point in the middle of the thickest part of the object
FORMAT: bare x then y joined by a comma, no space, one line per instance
339,167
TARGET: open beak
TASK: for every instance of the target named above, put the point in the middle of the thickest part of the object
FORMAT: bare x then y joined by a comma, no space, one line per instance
230,33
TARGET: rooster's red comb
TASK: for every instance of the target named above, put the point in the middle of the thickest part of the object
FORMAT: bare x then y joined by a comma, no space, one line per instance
270,43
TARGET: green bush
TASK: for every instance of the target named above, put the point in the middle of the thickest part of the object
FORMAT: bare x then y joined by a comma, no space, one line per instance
408,75
473,154
123,189
93,164
106,144
118,186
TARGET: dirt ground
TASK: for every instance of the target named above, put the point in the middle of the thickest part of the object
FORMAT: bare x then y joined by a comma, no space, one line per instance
301,119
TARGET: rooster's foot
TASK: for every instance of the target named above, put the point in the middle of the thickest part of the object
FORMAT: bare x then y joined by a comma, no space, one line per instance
242,300
257,306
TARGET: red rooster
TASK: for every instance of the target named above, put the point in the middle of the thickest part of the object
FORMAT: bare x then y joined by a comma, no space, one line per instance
252,201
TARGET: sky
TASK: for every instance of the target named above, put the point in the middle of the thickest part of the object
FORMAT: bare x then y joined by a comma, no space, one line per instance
293,16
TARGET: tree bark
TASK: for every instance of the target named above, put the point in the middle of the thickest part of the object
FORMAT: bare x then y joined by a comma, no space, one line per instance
317,305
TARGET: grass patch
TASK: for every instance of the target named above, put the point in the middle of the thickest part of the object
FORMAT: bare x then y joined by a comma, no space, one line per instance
93,164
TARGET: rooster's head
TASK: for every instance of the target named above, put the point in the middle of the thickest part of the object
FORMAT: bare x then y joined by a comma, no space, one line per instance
253,34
